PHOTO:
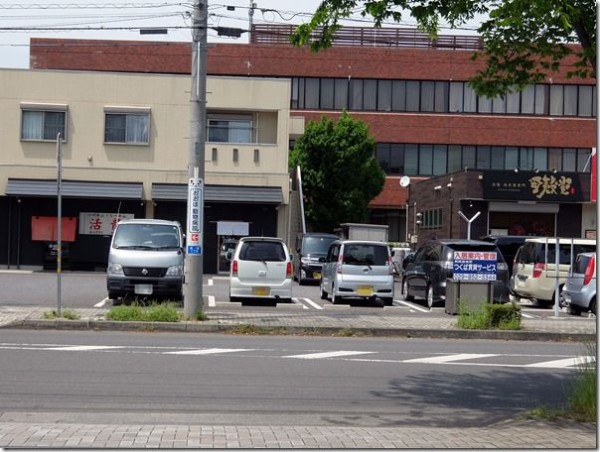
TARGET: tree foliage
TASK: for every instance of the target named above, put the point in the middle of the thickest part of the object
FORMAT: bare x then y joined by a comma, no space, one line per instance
524,41
340,174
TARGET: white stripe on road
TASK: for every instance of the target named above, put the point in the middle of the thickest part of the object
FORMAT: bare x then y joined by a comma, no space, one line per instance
101,303
297,301
448,358
209,351
527,316
210,282
562,363
412,305
78,348
211,301
326,355
312,303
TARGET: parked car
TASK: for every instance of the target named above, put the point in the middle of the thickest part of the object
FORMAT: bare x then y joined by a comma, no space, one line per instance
534,268
146,260
310,247
261,268
428,269
356,268
579,291
508,246
398,256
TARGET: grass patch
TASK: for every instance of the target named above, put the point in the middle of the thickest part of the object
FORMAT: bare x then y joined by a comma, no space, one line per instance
157,312
65,314
257,330
489,316
200,316
582,405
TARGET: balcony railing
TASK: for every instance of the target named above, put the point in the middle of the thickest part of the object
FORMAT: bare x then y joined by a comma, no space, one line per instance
369,37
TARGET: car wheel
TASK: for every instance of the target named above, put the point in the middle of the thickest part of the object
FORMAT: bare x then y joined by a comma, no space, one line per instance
573,310
324,295
334,298
405,294
388,301
593,305
430,300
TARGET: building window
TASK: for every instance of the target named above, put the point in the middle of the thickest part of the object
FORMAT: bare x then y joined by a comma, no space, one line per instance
431,219
127,127
43,125
222,129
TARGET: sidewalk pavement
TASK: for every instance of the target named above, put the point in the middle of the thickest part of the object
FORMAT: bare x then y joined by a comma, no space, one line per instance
515,433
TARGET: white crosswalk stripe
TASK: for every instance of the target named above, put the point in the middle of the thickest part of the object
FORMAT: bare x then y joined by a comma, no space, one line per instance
208,351
447,358
562,363
322,355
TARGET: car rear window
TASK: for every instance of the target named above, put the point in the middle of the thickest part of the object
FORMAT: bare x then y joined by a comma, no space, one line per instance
365,254
532,253
262,251
581,264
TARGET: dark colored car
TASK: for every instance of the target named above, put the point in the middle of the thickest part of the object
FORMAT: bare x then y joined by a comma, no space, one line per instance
508,246
309,253
428,269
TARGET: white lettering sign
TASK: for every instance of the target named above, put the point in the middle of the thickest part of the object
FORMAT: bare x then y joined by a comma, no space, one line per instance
100,223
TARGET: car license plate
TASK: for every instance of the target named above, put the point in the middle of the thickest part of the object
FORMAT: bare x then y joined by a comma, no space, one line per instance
365,291
317,275
261,291
143,289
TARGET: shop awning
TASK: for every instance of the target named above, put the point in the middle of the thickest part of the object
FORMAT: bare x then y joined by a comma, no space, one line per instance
75,189
220,193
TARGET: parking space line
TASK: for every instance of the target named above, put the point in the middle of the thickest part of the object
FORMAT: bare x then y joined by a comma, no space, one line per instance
312,303
297,301
210,282
412,306
211,301
101,303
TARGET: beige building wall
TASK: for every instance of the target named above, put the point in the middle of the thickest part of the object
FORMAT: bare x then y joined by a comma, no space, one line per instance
164,160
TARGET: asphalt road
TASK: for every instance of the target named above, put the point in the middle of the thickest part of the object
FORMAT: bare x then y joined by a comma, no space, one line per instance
88,289
89,376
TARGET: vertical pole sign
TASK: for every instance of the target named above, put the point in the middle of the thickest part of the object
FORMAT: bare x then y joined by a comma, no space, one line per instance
195,215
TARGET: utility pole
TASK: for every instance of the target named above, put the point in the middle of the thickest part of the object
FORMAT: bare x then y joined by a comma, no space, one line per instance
193,301
250,20
58,225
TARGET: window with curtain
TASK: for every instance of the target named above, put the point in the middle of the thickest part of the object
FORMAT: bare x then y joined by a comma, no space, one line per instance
38,125
127,128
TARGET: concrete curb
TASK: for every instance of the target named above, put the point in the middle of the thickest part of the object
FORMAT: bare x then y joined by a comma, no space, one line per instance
250,328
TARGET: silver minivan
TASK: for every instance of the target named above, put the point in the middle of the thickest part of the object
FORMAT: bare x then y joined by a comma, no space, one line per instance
146,260
356,268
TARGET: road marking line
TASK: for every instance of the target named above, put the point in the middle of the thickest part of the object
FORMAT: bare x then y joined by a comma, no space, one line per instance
210,282
211,301
209,351
413,306
562,363
527,316
448,358
297,301
101,303
312,303
73,348
326,355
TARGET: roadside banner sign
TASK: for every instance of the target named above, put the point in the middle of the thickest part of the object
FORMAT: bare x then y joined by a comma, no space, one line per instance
195,216
474,266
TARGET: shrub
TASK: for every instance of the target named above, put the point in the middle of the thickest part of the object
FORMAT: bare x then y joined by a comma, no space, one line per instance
486,316
167,312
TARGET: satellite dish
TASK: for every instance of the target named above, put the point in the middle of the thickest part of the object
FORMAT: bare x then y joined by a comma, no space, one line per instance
404,181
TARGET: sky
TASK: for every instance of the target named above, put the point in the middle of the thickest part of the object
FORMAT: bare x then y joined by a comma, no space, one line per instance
21,20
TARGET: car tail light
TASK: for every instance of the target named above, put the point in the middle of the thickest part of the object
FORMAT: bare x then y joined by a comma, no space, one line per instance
288,270
589,271
234,268
391,265
339,264
538,269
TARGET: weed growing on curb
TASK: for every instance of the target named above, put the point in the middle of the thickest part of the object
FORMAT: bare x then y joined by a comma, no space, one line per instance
65,314
486,316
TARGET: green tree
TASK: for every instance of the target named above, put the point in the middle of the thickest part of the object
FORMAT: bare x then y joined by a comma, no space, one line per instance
524,41
340,174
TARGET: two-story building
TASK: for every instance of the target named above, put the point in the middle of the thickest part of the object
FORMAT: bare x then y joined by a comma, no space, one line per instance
125,149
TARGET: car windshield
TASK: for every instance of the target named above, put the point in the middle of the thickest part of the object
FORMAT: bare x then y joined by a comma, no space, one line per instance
146,236
363,254
262,251
317,245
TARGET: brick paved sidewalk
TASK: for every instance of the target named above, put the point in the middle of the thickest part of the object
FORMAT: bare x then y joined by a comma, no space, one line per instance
514,434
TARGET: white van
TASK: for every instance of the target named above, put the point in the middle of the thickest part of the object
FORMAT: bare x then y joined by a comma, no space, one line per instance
534,266
146,260
261,268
